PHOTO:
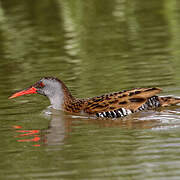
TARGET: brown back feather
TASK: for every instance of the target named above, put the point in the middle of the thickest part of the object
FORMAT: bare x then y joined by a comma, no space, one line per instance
131,99
167,101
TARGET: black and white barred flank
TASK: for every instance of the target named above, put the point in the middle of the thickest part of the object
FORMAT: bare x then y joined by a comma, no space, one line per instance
114,114
152,102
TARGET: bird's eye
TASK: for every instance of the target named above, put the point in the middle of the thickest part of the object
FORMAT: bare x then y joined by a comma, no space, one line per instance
41,85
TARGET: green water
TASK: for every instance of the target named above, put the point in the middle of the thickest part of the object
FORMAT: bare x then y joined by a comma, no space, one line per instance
95,47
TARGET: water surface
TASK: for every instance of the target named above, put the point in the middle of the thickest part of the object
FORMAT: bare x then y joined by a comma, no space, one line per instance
95,47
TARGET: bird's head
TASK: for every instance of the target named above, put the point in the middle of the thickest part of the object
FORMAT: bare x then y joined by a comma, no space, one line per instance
51,87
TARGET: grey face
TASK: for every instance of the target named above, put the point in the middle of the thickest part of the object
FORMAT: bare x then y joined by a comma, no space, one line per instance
51,88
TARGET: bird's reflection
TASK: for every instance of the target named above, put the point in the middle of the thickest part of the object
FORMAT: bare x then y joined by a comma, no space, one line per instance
57,130
53,135
62,124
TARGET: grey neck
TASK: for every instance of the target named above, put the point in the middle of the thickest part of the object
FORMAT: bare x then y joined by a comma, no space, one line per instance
54,91
57,101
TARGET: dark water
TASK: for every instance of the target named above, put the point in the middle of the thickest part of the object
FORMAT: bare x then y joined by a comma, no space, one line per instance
95,47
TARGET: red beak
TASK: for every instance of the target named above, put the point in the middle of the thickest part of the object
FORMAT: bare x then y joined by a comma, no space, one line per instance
31,90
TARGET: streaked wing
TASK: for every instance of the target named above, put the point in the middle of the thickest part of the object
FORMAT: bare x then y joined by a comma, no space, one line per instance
130,99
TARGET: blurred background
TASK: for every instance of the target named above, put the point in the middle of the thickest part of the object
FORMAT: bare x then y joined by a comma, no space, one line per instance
95,47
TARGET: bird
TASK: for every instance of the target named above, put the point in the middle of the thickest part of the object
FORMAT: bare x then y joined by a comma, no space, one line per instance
112,105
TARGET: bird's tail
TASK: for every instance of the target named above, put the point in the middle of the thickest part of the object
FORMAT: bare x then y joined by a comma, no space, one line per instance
168,101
